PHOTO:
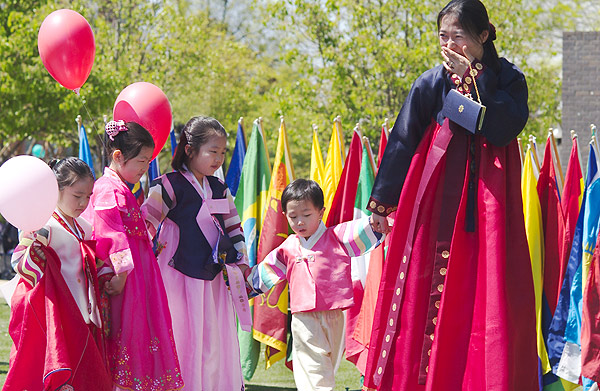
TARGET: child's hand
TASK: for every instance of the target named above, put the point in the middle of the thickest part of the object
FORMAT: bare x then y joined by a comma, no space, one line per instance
380,224
245,270
116,284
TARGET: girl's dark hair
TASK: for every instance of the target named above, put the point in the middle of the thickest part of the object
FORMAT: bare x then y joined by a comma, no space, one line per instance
473,18
70,170
130,143
195,133
303,189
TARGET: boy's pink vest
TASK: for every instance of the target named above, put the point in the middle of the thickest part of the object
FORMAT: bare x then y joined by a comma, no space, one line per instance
319,278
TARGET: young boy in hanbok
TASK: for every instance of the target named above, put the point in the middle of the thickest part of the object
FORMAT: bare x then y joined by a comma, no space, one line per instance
316,263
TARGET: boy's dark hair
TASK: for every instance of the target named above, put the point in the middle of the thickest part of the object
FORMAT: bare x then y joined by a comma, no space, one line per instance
130,143
303,189
70,170
195,133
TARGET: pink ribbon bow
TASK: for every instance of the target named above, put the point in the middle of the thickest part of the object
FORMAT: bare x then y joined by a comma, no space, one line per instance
114,127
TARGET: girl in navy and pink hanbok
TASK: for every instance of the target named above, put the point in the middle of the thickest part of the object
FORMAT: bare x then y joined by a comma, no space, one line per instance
201,246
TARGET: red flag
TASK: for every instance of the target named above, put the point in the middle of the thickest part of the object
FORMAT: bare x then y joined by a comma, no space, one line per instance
571,202
364,321
590,330
382,144
342,210
553,225
342,207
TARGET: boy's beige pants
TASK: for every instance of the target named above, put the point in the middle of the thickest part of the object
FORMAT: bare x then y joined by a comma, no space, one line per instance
318,346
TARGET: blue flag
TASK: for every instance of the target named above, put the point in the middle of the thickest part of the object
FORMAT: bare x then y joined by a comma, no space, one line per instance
173,141
237,161
84,149
153,170
563,338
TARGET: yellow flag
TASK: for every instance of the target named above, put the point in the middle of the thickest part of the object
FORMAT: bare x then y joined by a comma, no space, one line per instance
532,212
317,168
333,165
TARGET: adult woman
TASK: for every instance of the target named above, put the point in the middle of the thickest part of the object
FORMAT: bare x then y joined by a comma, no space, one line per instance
455,309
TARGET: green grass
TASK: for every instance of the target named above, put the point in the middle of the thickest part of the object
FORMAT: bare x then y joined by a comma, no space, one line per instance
5,341
276,378
279,378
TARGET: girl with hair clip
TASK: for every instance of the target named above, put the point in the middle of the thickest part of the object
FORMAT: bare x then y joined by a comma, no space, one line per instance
200,243
56,322
141,350
455,309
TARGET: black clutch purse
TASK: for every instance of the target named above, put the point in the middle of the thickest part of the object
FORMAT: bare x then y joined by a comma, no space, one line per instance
465,112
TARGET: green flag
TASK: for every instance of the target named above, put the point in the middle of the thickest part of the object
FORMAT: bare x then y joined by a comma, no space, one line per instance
250,201
365,181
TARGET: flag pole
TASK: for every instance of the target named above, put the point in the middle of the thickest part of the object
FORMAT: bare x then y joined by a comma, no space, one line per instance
576,140
367,144
593,130
262,133
241,123
533,151
521,153
79,121
338,128
386,126
555,148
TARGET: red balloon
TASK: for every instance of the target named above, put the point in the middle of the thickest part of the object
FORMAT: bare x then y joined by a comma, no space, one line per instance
67,47
147,105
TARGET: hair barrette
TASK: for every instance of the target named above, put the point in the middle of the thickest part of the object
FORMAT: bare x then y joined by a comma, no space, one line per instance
114,127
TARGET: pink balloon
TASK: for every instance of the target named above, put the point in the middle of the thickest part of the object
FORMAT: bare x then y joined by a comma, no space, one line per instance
147,105
67,47
29,192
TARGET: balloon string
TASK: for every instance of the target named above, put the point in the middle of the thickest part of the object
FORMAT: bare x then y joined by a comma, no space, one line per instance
98,134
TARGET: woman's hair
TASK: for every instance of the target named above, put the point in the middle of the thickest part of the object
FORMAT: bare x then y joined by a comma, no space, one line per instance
129,142
195,133
473,18
300,190
70,170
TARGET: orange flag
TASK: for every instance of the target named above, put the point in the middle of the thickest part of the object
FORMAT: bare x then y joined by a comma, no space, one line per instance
271,309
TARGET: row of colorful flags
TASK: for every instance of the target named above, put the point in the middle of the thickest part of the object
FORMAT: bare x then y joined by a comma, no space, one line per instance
562,218
346,181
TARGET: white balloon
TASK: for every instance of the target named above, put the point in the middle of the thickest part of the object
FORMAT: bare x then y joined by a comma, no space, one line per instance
28,192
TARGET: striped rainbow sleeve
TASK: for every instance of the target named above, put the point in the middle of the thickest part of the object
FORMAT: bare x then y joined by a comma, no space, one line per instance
161,199
357,236
268,273
233,226
28,263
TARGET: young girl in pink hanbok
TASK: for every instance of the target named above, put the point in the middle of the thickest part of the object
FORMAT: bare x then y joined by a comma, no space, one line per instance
200,241
141,349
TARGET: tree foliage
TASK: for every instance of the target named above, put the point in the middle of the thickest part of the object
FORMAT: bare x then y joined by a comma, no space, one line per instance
200,66
308,60
359,58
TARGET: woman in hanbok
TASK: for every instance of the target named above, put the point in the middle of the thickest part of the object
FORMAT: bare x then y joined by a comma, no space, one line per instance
455,309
